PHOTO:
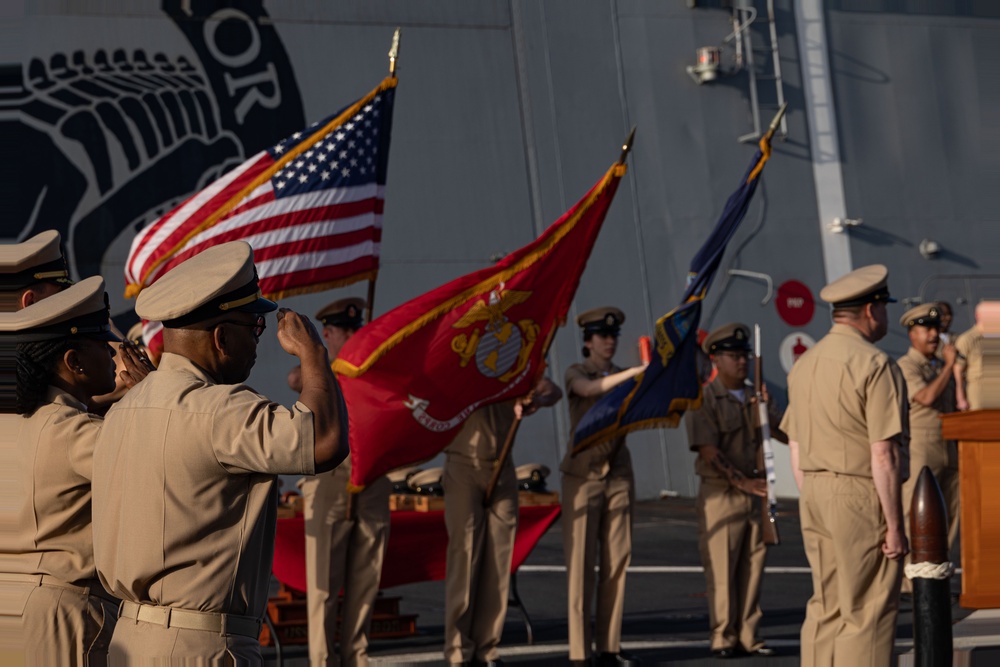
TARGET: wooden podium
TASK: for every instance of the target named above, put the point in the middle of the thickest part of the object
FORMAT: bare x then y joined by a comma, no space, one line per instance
978,433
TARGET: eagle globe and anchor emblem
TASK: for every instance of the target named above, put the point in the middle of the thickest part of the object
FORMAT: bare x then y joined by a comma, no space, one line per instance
503,348
501,351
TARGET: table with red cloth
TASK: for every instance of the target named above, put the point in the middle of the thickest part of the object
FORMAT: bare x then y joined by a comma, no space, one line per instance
418,543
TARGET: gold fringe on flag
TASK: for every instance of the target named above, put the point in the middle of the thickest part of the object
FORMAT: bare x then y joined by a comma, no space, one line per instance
350,370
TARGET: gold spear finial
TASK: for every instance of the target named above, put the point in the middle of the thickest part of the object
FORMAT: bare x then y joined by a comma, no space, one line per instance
394,53
777,120
627,146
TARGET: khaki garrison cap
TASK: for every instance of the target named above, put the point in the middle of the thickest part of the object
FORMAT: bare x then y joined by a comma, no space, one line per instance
39,259
219,280
925,315
532,471
399,478
401,474
733,336
344,313
604,320
79,310
531,476
869,284
427,482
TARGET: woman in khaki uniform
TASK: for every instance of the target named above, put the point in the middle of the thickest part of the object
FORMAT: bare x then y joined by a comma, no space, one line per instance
54,611
598,494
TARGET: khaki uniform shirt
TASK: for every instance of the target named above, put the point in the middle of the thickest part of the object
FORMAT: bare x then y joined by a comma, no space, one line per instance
481,438
591,463
845,394
919,371
729,424
45,490
970,345
925,422
185,493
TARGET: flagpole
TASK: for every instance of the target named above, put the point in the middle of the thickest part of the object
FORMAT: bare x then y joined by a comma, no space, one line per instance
626,149
394,53
508,444
627,146
777,120
393,57
370,307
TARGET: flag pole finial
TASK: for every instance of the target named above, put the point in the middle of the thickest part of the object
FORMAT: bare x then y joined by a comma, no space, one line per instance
627,146
394,53
777,120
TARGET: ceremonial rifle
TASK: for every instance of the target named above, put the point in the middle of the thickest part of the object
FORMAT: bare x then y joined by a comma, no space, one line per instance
765,455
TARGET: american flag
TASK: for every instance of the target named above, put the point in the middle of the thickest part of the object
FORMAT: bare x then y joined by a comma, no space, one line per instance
310,206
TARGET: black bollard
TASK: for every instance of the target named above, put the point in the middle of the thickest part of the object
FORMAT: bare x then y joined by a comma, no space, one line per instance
931,597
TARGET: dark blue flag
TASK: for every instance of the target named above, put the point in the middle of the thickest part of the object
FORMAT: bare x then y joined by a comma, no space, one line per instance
670,384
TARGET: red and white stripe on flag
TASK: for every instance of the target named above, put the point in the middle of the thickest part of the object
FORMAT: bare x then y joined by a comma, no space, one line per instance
310,207
152,337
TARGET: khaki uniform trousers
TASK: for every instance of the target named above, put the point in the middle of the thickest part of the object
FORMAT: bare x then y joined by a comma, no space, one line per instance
597,515
141,643
732,553
851,616
346,555
53,623
480,549
938,461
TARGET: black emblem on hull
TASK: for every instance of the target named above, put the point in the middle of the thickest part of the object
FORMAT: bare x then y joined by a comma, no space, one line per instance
110,139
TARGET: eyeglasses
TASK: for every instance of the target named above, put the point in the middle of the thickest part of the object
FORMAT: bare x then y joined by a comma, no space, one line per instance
258,326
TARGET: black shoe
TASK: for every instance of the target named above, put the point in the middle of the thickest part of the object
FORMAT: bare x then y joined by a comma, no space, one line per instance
723,653
579,663
620,659
763,652
487,663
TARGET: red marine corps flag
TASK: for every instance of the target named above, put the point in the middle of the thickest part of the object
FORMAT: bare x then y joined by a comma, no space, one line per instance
413,375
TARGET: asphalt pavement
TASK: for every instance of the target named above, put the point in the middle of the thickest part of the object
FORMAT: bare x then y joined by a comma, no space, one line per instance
666,614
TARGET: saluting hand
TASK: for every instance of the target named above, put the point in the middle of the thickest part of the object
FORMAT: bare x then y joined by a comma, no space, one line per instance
137,364
297,335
